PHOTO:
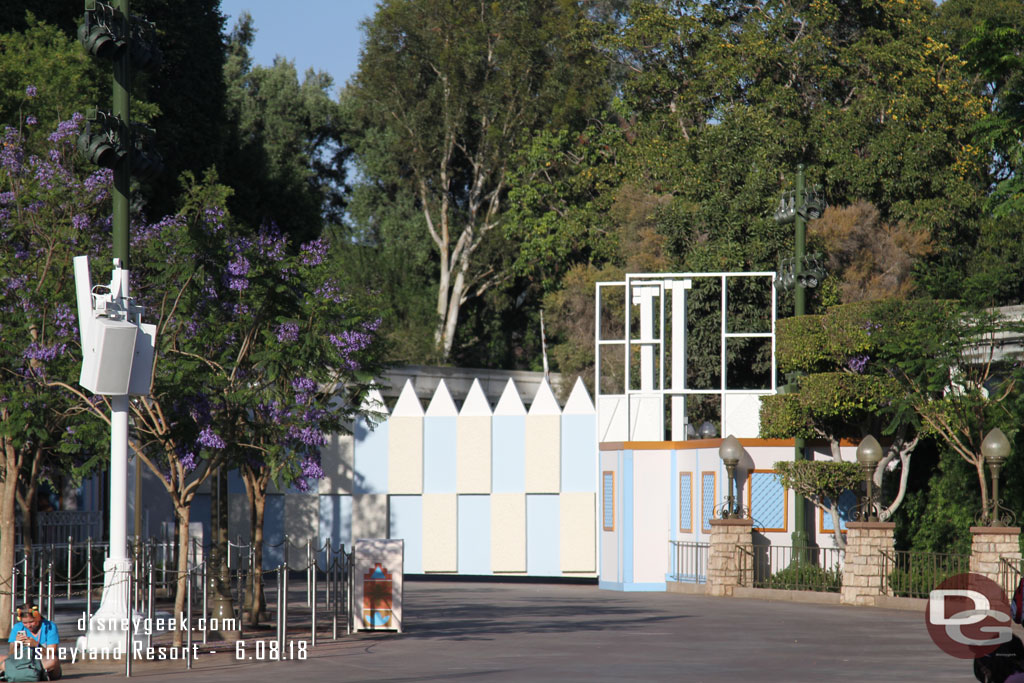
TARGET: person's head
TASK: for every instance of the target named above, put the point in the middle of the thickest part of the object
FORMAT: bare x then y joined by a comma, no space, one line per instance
30,616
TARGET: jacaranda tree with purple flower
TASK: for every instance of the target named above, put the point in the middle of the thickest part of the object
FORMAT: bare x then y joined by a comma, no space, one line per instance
260,355
50,210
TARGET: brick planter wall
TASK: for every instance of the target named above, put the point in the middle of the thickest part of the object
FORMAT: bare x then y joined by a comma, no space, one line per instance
989,545
862,569
723,556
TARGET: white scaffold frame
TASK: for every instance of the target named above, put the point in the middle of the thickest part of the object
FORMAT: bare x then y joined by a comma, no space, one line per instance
640,289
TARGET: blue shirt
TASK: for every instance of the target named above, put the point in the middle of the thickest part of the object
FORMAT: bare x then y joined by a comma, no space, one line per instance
47,633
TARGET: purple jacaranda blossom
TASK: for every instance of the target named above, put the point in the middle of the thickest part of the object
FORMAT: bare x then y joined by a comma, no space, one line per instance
65,321
310,466
11,152
313,253
238,310
42,352
68,129
239,266
328,290
236,283
288,332
210,439
858,363
6,197
30,91
273,411
31,120
270,243
303,384
187,460
99,179
80,221
308,436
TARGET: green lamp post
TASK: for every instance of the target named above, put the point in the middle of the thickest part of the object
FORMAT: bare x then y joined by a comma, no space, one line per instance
869,453
995,448
730,452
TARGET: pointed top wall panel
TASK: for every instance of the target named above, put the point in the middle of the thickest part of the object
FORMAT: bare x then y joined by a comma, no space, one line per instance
476,404
405,444
441,405
544,401
408,404
473,443
510,403
374,403
579,402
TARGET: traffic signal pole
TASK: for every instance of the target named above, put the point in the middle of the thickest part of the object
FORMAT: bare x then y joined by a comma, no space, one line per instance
800,537
115,604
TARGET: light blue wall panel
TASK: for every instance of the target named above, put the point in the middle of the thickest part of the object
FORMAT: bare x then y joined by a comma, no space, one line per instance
407,523
474,534
508,454
767,501
579,452
439,455
542,535
336,520
273,531
235,483
371,457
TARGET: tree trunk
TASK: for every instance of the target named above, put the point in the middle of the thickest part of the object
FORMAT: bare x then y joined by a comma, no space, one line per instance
8,489
259,599
837,532
255,490
181,513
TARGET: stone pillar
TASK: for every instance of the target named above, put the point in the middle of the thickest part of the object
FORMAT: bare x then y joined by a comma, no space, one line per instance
862,567
725,570
989,545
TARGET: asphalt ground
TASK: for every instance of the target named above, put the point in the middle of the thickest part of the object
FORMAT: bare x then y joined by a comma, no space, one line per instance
464,631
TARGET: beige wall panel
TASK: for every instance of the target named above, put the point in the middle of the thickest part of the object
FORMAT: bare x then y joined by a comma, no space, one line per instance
508,532
301,524
578,550
543,453
336,459
473,454
370,516
405,455
440,532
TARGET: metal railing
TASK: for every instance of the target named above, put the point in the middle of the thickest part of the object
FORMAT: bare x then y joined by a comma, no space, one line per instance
791,567
908,574
1010,571
689,561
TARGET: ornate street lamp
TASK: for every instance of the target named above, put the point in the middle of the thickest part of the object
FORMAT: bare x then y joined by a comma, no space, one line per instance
707,430
869,453
730,452
995,448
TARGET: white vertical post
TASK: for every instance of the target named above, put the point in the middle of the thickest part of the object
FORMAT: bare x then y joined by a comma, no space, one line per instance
679,417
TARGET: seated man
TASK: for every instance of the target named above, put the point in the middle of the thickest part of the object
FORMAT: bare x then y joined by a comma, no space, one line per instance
35,632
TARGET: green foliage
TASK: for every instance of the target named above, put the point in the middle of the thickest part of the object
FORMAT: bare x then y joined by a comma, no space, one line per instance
285,165
444,97
819,479
66,79
806,576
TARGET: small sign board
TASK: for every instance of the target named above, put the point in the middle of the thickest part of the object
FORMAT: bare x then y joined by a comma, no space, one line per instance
377,591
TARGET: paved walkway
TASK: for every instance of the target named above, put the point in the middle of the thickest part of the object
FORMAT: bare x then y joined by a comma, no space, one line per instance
537,632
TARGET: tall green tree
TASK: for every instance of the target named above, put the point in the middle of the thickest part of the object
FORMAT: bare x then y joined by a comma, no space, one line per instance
445,93
287,163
